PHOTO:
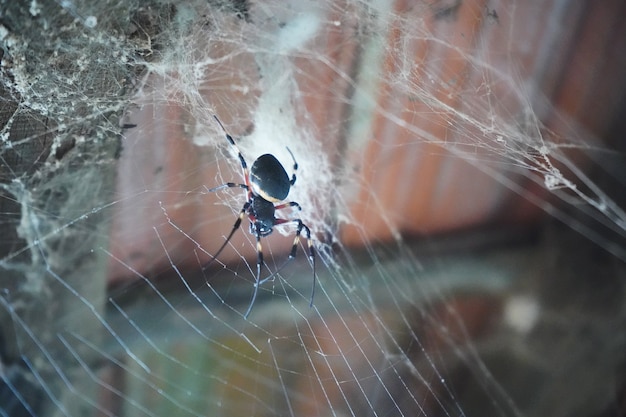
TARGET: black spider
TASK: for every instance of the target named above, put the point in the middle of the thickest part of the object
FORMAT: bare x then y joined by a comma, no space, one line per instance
266,183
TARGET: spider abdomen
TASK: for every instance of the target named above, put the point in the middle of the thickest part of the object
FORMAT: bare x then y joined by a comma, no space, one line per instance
269,179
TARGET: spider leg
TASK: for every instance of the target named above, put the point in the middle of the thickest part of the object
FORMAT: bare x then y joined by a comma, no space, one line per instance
294,249
289,204
295,167
307,231
244,165
259,264
227,185
242,214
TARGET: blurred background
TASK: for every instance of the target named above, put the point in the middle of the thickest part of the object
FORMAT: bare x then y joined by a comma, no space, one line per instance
460,164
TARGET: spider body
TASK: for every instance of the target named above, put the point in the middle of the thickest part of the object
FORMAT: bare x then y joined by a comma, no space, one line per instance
266,183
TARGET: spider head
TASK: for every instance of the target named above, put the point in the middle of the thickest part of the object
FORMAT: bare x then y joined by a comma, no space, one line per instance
263,228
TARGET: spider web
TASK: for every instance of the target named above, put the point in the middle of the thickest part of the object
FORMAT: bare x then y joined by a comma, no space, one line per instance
109,148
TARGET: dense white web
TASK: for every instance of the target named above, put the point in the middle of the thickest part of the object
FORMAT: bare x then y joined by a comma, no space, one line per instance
113,302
